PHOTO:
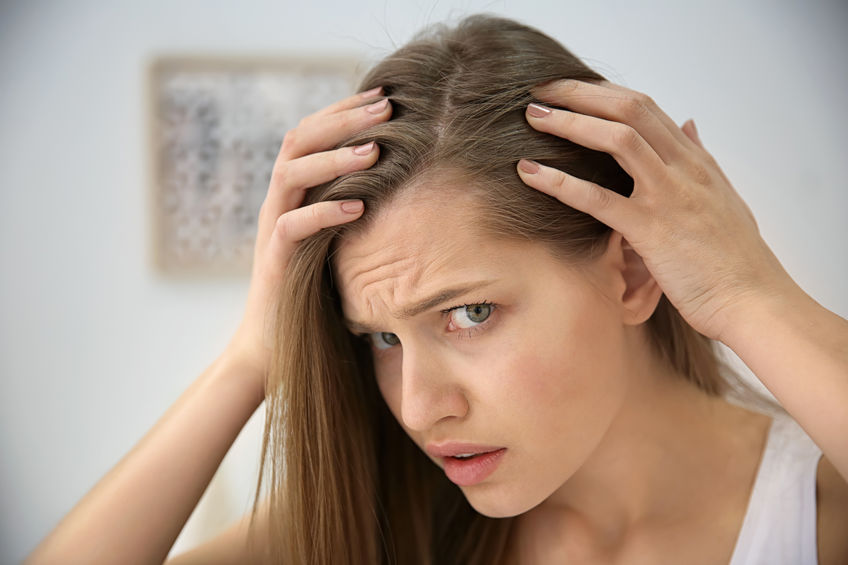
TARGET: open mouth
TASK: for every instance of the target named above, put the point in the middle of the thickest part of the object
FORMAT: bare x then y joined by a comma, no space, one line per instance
465,457
466,469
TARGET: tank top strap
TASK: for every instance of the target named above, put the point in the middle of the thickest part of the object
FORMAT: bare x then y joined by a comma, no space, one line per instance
780,523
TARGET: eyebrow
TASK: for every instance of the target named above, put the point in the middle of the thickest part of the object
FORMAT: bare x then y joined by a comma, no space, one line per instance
428,303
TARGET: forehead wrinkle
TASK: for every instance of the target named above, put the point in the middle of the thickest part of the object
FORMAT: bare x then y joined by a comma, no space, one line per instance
406,247
407,276
403,252
376,274
415,304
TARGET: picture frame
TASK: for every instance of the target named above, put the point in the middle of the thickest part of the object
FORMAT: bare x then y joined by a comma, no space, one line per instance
216,126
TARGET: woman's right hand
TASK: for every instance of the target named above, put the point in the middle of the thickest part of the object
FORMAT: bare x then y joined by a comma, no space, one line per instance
306,159
138,509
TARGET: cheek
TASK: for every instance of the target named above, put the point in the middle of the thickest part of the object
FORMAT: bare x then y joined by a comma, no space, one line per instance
566,378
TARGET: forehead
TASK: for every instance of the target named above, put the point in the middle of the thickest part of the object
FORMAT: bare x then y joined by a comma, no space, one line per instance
425,238
417,228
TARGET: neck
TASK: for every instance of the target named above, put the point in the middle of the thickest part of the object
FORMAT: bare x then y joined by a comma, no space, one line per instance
657,463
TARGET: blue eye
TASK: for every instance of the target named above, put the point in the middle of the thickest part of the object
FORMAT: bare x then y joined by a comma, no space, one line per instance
384,340
471,315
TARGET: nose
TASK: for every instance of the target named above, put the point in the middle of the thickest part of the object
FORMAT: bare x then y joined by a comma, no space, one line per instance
430,391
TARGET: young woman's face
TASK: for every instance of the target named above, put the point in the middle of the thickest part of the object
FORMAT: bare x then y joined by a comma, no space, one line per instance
486,342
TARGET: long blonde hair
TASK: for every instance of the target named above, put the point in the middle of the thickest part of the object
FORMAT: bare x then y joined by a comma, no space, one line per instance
346,484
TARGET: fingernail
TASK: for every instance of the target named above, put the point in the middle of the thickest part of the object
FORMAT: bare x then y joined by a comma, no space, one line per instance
371,93
529,167
538,111
377,107
364,149
352,206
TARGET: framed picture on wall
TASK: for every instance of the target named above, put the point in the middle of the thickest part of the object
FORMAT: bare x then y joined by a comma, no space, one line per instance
216,125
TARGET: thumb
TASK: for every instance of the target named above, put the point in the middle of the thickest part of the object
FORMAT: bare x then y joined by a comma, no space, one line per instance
691,132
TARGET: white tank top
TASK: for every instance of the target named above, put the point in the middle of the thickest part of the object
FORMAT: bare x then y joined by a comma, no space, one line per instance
780,523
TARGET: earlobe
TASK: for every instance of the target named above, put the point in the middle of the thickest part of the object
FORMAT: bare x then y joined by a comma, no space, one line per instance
641,293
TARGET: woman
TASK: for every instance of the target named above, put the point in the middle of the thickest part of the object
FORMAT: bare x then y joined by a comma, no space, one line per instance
484,334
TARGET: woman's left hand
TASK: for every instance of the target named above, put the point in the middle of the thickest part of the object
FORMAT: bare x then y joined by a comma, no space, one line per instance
697,237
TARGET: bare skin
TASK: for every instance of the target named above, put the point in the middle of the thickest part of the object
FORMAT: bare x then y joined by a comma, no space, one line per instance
136,511
611,457
699,523
701,243
706,534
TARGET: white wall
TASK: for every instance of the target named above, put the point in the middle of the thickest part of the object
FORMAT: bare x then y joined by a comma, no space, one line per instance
94,346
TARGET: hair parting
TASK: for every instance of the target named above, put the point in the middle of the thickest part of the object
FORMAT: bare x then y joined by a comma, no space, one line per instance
345,482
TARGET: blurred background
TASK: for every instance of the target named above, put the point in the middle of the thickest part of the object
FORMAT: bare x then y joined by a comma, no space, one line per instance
96,341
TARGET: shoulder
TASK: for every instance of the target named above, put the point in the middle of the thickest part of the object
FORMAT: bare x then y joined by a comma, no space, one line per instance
832,514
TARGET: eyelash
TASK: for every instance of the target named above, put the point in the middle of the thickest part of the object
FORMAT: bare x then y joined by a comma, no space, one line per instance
464,333
473,330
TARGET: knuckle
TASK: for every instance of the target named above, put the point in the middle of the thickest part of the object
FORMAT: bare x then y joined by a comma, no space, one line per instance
632,108
646,101
340,161
625,137
296,224
571,84
564,86
346,121
561,181
598,198
700,174
711,161
567,118
279,172
289,140
554,88
314,213
283,225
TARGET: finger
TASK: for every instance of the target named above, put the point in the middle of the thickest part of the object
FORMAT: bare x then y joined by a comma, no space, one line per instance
692,133
296,225
665,118
604,205
354,101
320,132
622,141
617,103
290,180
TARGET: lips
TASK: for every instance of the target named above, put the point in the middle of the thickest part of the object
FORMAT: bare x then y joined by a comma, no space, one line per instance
453,448
465,463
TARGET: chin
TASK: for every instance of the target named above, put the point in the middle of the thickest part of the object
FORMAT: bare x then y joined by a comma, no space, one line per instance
496,502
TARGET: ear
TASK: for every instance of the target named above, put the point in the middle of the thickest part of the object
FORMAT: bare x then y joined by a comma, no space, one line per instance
639,293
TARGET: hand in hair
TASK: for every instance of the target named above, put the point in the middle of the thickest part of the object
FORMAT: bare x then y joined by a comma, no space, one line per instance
136,511
698,238
702,245
306,159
